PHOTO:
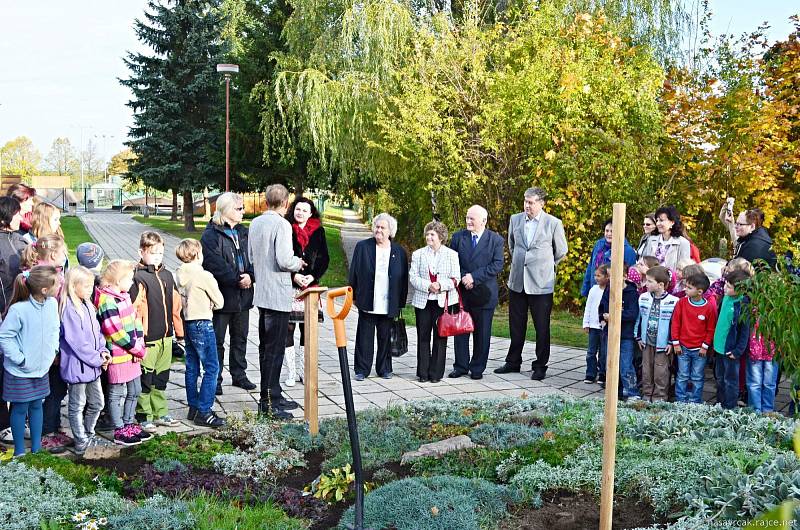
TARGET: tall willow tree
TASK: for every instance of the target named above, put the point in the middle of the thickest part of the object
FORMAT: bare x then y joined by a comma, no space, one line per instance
442,107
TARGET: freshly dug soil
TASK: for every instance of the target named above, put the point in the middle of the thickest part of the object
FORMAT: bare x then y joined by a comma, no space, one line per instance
126,465
302,477
564,510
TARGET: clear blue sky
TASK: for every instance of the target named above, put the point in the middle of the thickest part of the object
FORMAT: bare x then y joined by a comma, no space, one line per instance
61,60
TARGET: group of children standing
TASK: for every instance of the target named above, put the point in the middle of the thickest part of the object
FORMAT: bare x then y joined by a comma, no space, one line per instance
104,336
680,316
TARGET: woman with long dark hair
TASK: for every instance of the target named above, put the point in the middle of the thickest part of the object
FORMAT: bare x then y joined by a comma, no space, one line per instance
668,245
309,244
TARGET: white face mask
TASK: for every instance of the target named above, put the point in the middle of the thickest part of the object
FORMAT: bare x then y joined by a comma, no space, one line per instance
153,258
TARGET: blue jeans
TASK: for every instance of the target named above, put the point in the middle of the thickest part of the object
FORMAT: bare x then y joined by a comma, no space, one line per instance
762,378
627,372
726,371
691,367
201,350
596,354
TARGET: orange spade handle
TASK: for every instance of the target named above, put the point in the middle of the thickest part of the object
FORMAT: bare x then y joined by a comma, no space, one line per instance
338,317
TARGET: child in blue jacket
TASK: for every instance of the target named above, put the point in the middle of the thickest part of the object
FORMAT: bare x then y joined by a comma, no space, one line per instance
29,342
653,333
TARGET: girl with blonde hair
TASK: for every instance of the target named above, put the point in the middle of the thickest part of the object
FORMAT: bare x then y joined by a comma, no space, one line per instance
83,355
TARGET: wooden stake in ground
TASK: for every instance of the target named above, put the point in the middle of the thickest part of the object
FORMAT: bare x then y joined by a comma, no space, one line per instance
311,360
612,367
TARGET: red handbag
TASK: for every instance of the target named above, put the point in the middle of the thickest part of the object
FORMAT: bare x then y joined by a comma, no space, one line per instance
452,324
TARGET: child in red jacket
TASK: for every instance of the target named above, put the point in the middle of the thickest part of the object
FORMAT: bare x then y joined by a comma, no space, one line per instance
692,330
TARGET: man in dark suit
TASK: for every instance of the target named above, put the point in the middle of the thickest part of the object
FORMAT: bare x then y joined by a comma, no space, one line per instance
537,243
480,256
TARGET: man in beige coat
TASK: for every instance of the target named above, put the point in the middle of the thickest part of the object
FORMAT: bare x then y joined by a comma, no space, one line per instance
200,296
537,244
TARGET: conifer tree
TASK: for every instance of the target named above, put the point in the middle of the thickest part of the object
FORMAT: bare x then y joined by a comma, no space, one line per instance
177,99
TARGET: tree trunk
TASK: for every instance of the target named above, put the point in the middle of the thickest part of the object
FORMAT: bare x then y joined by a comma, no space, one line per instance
206,206
299,185
174,206
188,212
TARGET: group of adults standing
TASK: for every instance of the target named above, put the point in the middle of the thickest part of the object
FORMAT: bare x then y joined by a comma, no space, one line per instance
467,270
283,252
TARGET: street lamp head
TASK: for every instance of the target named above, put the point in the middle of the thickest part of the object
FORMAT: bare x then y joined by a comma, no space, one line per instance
228,68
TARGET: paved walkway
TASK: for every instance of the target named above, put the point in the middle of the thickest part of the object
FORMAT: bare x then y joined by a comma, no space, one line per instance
119,234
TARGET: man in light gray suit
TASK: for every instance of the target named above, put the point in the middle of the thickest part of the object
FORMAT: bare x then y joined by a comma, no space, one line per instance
273,260
537,243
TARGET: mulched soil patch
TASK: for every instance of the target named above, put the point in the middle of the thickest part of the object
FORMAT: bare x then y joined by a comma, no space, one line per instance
124,465
302,477
564,510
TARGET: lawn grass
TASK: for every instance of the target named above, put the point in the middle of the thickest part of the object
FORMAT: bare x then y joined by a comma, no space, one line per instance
175,228
74,234
337,270
212,513
566,329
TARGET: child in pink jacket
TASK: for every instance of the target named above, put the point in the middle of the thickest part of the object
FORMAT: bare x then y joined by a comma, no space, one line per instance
125,341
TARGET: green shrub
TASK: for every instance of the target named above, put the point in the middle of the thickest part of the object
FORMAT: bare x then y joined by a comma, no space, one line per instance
29,496
157,512
381,439
693,423
730,493
437,431
478,462
504,435
262,454
436,503
211,513
662,473
297,437
550,448
383,476
165,465
196,451
85,478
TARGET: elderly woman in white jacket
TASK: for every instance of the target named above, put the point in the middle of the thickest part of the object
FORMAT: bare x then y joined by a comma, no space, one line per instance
434,275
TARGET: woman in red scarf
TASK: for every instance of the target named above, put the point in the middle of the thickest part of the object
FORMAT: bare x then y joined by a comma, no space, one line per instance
309,243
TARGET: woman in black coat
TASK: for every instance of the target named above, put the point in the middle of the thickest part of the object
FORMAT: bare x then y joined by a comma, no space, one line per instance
225,256
12,244
751,240
309,244
379,278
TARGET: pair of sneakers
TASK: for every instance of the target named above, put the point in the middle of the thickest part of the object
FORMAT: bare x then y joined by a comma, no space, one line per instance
7,437
209,419
163,421
92,441
56,442
131,434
